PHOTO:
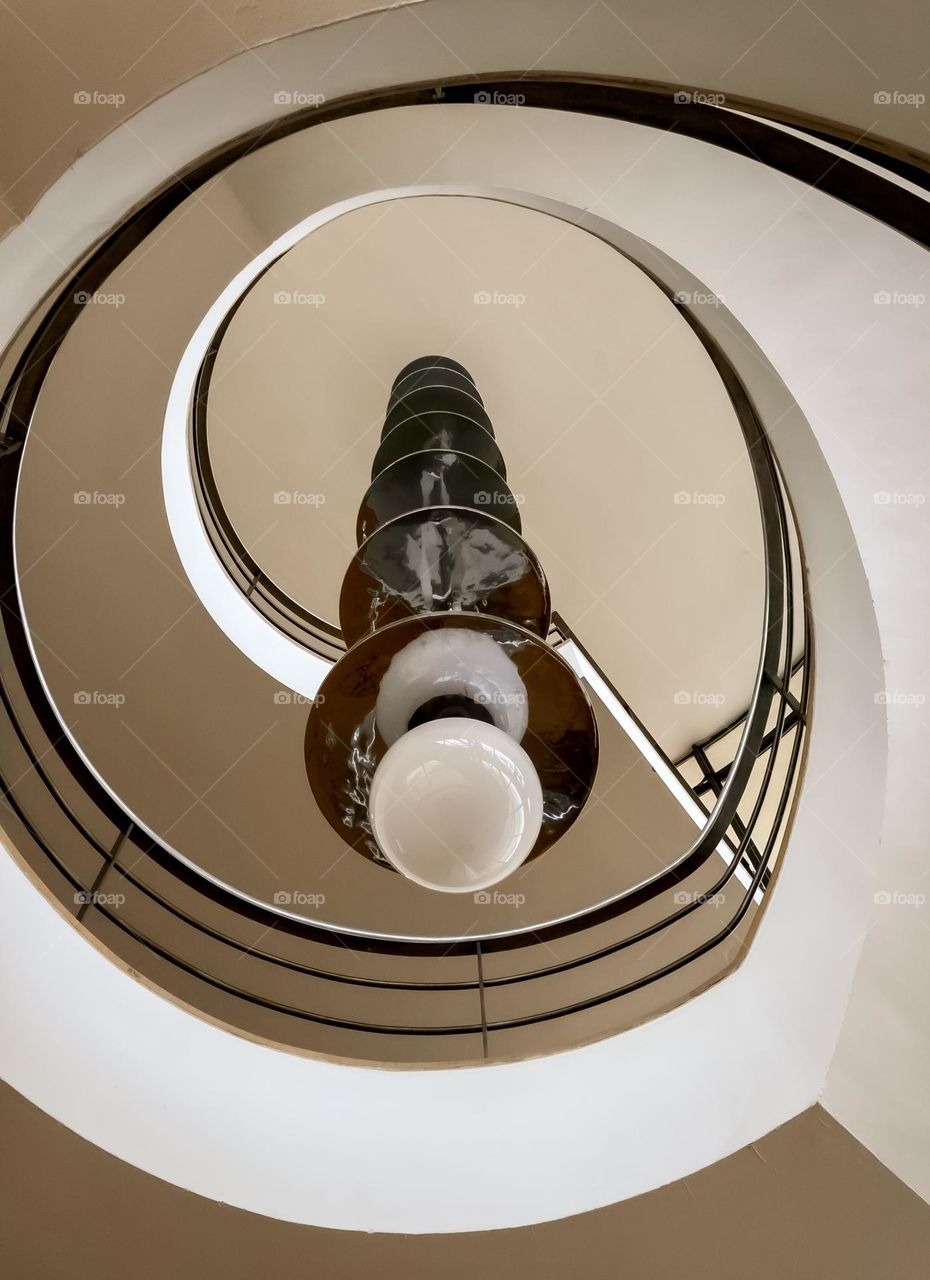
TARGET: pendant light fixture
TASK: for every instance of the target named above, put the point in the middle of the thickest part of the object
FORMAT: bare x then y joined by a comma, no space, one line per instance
450,743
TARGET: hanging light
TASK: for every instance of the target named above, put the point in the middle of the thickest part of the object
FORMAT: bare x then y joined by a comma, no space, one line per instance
450,743
456,805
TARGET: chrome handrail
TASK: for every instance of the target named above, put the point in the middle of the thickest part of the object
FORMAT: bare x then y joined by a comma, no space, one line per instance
773,674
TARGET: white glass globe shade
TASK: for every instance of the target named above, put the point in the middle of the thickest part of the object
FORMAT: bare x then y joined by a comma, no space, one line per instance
456,805
454,660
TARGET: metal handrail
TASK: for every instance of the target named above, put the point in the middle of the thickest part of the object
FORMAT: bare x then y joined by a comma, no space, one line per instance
317,634
776,686
768,490
771,683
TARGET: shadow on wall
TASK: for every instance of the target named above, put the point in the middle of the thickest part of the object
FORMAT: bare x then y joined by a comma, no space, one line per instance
806,1201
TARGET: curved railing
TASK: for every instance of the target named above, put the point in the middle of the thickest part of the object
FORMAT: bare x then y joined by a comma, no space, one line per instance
288,615
125,862
395,999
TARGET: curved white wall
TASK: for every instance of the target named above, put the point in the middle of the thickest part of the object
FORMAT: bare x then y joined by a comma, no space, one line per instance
490,1147
850,52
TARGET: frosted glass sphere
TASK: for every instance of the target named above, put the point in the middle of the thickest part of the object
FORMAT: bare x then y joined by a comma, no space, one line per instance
456,805
450,661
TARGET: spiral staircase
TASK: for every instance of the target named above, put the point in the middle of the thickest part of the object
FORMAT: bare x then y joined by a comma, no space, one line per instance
695,319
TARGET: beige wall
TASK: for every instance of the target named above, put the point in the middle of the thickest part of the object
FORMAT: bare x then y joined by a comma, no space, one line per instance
826,61
52,49
805,1203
